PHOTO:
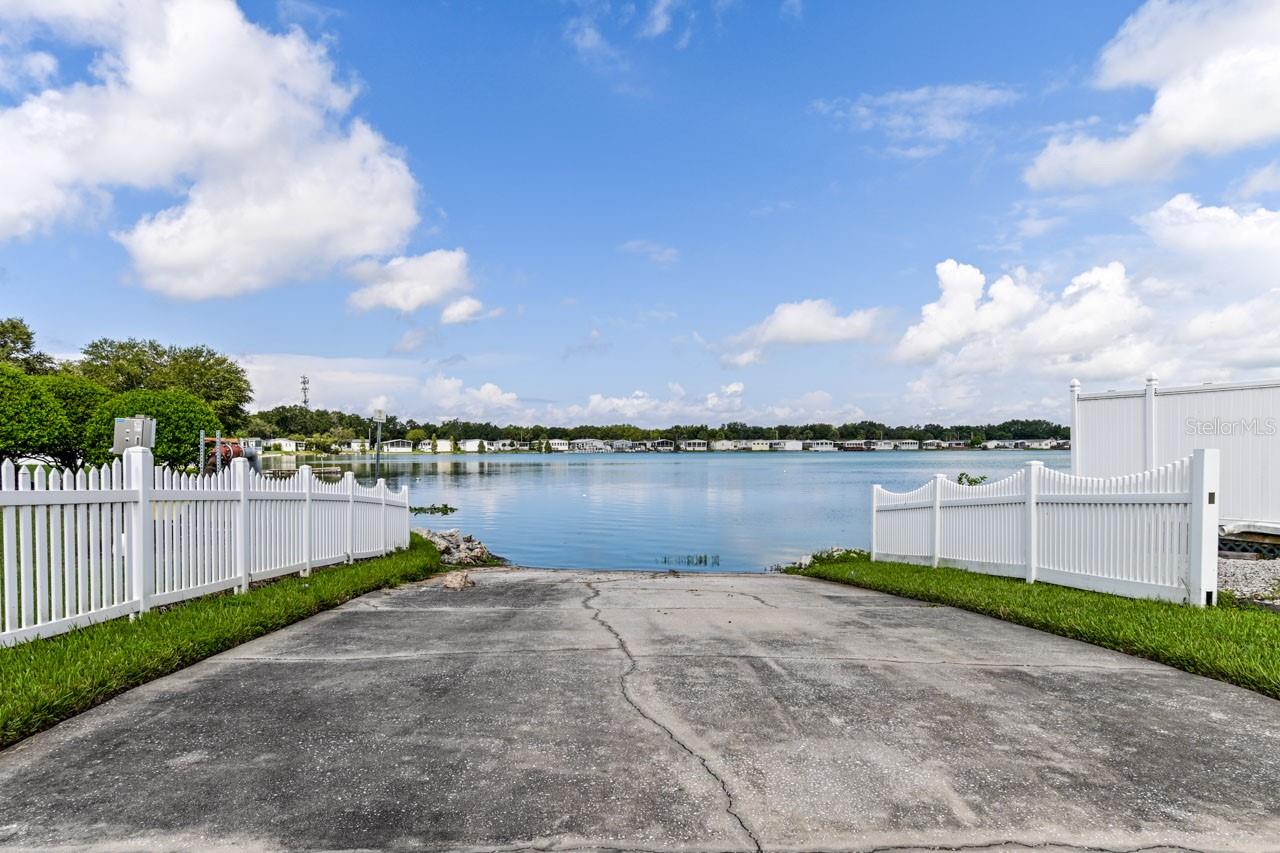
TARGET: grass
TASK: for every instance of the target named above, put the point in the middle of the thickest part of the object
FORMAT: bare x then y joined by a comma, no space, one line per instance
45,681
1233,642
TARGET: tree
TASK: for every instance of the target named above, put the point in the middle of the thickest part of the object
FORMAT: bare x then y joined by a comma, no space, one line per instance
433,442
133,364
31,421
79,400
18,347
416,435
179,419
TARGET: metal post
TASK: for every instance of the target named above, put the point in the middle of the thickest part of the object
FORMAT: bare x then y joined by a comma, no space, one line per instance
377,458
382,493
1032,486
1202,562
200,455
217,452
140,470
304,472
240,482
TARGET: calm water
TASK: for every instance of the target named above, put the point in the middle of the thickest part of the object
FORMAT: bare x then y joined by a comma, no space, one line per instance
690,511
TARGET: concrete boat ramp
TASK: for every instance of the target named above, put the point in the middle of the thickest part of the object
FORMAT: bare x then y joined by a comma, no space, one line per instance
558,710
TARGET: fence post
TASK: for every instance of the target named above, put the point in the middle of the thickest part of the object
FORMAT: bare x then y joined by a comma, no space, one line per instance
304,473
1075,426
350,480
140,469
382,535
1032,486
1149,422
404,490
938,480
875,492
240,482
1202,559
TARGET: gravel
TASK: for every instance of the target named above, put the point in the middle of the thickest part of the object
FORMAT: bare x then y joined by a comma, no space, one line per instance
1250,578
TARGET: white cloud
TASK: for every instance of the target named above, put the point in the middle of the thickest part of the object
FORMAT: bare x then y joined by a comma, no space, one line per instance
663,256
811,321
658,20
449,397
406,284
273,182
467,310
793,9
350,384
22,69
1215,69
964,310
1226,246
1261,181
920,121
411,341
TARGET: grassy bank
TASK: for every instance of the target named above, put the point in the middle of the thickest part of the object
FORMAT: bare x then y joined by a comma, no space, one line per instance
1231,642
45,681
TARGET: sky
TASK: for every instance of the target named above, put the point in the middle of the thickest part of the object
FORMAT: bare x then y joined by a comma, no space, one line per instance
654,212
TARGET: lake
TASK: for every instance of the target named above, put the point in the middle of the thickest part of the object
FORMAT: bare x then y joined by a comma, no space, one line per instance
658,511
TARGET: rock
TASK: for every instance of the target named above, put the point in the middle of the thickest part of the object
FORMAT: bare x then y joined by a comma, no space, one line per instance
458,581
456,549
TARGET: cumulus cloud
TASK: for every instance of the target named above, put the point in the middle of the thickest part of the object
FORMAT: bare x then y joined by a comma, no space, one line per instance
811,321
272,177
921,122
966,308
1262,181
658,21
658,254
1215,70
406,284
1234,248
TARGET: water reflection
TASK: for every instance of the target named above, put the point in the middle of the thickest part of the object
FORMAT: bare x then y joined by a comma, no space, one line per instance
694,512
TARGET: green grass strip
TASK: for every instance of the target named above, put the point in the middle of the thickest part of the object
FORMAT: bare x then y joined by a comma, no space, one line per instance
1232,642
43,682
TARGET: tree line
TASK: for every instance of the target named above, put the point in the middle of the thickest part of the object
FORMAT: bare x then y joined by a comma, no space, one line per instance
63,412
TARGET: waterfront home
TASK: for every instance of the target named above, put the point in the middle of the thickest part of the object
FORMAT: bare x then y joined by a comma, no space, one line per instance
820,445
852,445
932,444
286,445
787,444
1039,444
250,443
521,445
354,445
693,445
621,445
473,445
883,444
759,445
957,445
724,444
906,444
588,445
664,445
558,445
500,446
397,445
641,446
443,445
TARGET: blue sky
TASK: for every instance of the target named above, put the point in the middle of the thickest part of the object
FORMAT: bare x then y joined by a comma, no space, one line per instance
655,211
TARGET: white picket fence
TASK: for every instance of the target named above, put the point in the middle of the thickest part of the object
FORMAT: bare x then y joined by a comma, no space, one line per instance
99,544
1147,535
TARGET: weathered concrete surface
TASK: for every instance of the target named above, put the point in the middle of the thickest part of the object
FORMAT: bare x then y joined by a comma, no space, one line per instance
570,710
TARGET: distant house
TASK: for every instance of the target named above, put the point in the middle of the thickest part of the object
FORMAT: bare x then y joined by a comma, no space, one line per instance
286,445
724,444
883,444
820,445
906,444
1039,444
501,445
520,445
693,445
397,445
251,443
354,445
664,445
957,445
621,445
853,445
473,445
759,445
443,445
932,444
558,445
588,445
787,444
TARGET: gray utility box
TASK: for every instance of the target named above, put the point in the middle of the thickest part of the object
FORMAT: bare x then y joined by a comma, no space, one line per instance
138,431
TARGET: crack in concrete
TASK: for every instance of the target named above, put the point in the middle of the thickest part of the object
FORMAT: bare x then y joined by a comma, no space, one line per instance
632,663
939,848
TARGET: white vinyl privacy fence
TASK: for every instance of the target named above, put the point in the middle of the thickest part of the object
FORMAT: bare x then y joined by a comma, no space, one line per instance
98,544
1147,535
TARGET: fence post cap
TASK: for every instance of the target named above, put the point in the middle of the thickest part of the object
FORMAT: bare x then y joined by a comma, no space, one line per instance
1036,462
1152,379
1075,384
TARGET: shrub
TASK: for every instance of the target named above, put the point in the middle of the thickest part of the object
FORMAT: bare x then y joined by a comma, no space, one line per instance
31,421
179,419
79,399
